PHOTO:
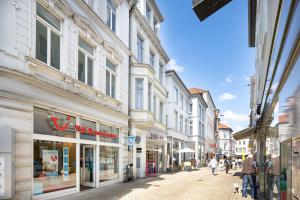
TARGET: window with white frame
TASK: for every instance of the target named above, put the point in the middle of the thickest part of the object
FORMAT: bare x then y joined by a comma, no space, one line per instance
140,49
181,101
176,119
148,13
200,111
202,128
154,107
176,95
139,91
161,109
186,126
48,37
149,96
152,59
191,129
85,62
111,15
111,73
161,72
155,25
191,107
181,123
199,127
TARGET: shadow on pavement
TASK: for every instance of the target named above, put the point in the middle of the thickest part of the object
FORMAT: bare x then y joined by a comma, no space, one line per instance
240,174
114,191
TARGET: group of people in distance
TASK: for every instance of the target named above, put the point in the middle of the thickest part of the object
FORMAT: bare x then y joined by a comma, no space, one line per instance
250,170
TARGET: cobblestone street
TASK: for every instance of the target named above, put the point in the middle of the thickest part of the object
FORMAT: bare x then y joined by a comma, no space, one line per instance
180,186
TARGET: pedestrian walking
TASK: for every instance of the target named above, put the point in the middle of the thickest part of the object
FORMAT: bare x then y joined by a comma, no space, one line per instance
255,165
227,164
273,176
247,171
213,164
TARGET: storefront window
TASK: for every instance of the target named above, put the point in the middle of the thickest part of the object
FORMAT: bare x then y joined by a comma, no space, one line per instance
54,166
109,130
109,163
52,123
88,125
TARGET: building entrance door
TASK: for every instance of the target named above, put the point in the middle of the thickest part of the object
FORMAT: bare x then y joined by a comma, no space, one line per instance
88,166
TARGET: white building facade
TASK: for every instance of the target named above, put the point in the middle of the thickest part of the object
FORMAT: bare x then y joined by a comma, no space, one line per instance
210,125
197,118
242,147
64,93
148,94
226,141
177,119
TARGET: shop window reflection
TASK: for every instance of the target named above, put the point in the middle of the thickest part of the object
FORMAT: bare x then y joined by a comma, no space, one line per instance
109,163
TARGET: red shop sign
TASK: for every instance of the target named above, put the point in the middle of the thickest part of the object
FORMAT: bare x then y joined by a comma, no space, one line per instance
81,129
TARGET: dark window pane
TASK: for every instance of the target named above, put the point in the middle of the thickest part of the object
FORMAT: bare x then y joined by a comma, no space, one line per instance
90,72
55,50
113,86
113,28
108,16
88,124
86,46
111,66
109,130
44,125
109,163
107,82
41,42
48,17
81,66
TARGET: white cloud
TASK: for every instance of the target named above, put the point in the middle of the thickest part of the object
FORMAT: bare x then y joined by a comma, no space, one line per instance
173,65
228,79
238,128
226,96
232,116
247,78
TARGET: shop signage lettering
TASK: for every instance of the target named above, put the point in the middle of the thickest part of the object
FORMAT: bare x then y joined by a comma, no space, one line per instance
81,129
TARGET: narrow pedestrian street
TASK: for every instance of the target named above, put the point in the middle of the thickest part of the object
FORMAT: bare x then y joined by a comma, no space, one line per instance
180,186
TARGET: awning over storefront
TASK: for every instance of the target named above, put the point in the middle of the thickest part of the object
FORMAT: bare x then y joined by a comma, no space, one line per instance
245,133
248,132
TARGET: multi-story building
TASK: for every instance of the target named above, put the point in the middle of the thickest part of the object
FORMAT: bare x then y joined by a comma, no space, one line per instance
197,118
274,32
148,94
210,121
177,118
242,147
226,141
64,95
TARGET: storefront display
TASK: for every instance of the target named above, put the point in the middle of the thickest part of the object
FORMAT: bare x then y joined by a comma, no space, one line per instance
50,166
55,157
109,163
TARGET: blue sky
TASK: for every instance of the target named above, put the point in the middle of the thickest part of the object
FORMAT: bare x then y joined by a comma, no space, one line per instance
212,54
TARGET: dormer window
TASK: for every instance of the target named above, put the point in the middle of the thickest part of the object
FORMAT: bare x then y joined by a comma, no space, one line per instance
111,15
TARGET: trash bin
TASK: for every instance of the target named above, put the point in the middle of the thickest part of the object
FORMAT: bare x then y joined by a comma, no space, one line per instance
129,173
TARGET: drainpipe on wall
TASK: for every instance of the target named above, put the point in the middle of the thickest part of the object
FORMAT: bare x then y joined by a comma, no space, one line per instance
130,148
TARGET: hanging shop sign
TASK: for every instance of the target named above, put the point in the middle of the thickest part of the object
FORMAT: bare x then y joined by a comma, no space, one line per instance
131,140
81,129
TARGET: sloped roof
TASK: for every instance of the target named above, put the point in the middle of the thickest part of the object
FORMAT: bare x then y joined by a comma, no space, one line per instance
223,126
283,118
196,91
